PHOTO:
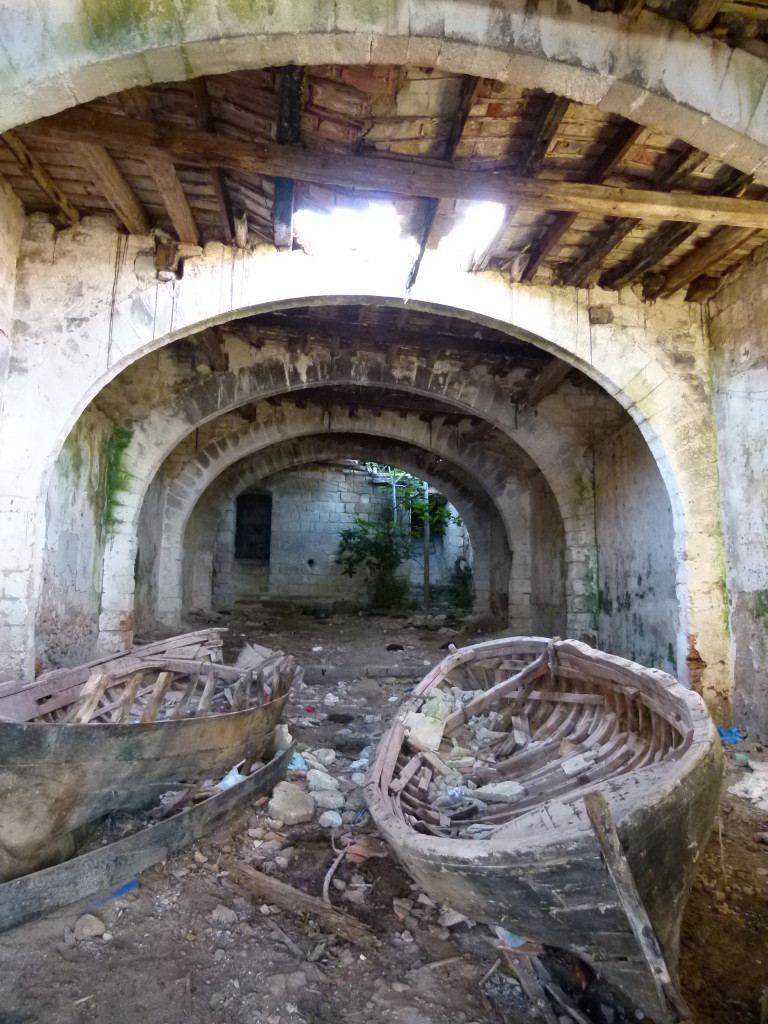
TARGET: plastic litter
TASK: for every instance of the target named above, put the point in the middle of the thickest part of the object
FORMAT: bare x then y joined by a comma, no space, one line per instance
510,940
742,761
730,735
231,779
297,763
122,891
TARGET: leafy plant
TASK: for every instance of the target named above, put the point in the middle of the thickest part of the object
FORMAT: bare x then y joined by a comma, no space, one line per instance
376,549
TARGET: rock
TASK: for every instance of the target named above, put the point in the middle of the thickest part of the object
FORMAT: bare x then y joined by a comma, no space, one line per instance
281,862
320,780
216,1000
325,756
450,918
330,699
424,732
200,858
223,915
219,954
762,837
329,799
256,833
349,817
499,792
400,986
330,819
356,801
291,804
281,738
69,937
358,778
89,927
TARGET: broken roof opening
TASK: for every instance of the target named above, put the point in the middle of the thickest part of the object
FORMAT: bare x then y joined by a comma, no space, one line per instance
372,230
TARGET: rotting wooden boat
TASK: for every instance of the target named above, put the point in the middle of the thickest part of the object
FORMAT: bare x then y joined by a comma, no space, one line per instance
107,867
561,792
77,744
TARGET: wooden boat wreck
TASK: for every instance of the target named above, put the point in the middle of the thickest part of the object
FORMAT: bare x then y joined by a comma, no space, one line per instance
560,792
115,734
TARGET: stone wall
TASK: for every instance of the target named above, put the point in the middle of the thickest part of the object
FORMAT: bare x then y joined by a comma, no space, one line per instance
637,612
547,563
11,223
739,340
311,505
77,517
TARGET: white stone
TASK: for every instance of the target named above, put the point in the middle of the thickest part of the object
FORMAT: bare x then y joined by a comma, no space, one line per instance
325,755
499,792
330,819
291,804
329,799
321,780
223,915
89,927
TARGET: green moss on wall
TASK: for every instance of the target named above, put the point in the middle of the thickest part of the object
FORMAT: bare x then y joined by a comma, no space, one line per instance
115,476
760,607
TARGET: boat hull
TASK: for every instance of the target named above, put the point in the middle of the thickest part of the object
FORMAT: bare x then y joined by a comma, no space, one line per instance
56,779
544,876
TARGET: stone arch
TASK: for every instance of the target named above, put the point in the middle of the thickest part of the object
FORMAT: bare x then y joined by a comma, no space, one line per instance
561,459
486,528
635,360
492,474
640,67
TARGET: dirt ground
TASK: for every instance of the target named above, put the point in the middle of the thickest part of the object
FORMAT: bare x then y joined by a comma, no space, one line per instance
190,946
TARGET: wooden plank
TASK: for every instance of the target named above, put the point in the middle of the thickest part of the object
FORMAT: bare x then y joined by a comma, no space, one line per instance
167,183
578,272
109,867
699,261
91,694
40,176
401,176
163,681
702,13
205,121
466,97
547,381
288,132
667,239
553,112
129,696
108,179
207,696
600,817
268,889
136,103
614,152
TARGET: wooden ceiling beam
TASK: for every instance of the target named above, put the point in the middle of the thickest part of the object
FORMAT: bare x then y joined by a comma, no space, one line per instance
306,327
401,176
578,272
136,103
547,381
109,180
667,239
550,119
555,108
702,13
205,120
698,261
467,93
40,176
613,153
288,133
210,343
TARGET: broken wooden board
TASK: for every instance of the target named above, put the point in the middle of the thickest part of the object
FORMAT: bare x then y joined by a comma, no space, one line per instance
270,890
109,867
